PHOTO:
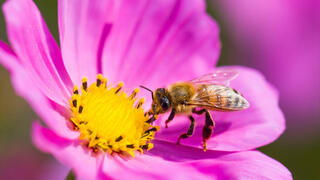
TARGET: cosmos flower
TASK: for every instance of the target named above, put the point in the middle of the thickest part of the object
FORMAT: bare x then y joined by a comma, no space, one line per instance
283,41
96,126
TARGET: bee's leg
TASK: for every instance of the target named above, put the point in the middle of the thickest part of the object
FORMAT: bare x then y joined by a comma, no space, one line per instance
207,129
198,112
171,116
190,130
152,119
208,126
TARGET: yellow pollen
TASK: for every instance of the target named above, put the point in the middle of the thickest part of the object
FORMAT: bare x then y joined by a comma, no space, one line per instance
110,120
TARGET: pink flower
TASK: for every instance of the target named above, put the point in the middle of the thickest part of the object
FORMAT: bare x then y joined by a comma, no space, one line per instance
151,43
282,39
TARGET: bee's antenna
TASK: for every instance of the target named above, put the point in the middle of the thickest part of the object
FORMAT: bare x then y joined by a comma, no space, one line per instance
148,90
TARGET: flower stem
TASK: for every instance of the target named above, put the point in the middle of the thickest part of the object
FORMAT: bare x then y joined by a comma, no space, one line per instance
70,176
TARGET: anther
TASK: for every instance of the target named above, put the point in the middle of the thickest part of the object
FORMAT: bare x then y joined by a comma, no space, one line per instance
74,103
119,139
147,146
83,122
84,84
80,109
134,93
99,80
75,90
144,146
130,146
141,101
119,86
152,129
104,82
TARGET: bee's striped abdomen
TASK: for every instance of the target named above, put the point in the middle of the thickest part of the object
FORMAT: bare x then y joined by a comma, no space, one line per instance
219,97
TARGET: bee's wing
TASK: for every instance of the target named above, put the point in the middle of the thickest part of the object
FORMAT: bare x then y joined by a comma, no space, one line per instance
218,97
222,77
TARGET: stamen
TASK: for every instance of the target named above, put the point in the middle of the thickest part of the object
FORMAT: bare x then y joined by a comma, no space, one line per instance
147,147
74,103
84,84
99,80
108,120
152,129
144,146
134,93
104,82
130,146
119,86
75,90
141,101
80,109
119,138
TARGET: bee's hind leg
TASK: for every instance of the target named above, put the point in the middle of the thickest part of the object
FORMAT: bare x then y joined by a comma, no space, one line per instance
190,130
207,128
171,116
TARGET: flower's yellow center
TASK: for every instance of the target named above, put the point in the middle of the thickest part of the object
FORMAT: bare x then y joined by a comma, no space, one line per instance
110,120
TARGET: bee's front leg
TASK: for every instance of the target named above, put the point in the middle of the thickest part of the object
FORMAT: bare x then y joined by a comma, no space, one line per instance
152,119
171,116
154,115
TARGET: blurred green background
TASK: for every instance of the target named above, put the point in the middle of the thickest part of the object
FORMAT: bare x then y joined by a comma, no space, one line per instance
19,159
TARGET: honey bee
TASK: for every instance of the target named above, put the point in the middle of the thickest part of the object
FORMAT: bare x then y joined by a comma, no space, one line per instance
208,92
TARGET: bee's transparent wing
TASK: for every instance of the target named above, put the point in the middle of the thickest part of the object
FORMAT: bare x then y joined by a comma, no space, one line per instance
218,97
222,77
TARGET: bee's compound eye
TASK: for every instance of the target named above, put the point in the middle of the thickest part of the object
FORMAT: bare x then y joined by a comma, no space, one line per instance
165,104
160,92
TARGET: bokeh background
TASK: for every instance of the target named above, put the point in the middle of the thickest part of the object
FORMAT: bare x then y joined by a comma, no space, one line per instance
281,38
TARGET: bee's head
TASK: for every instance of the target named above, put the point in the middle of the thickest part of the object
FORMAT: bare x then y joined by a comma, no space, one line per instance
161,101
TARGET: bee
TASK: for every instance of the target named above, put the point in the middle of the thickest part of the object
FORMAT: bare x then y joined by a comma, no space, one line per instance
197,96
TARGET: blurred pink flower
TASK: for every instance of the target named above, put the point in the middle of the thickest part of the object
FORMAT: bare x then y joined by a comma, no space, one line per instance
282,39
153,43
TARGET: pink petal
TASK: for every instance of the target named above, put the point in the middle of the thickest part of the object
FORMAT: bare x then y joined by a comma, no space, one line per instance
36,49
165,161
282,40
259,125
84,26
155,43
223,165
170,161
149,167
52,114
67,152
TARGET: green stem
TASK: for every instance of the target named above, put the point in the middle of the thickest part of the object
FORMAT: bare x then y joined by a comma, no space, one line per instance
70,176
